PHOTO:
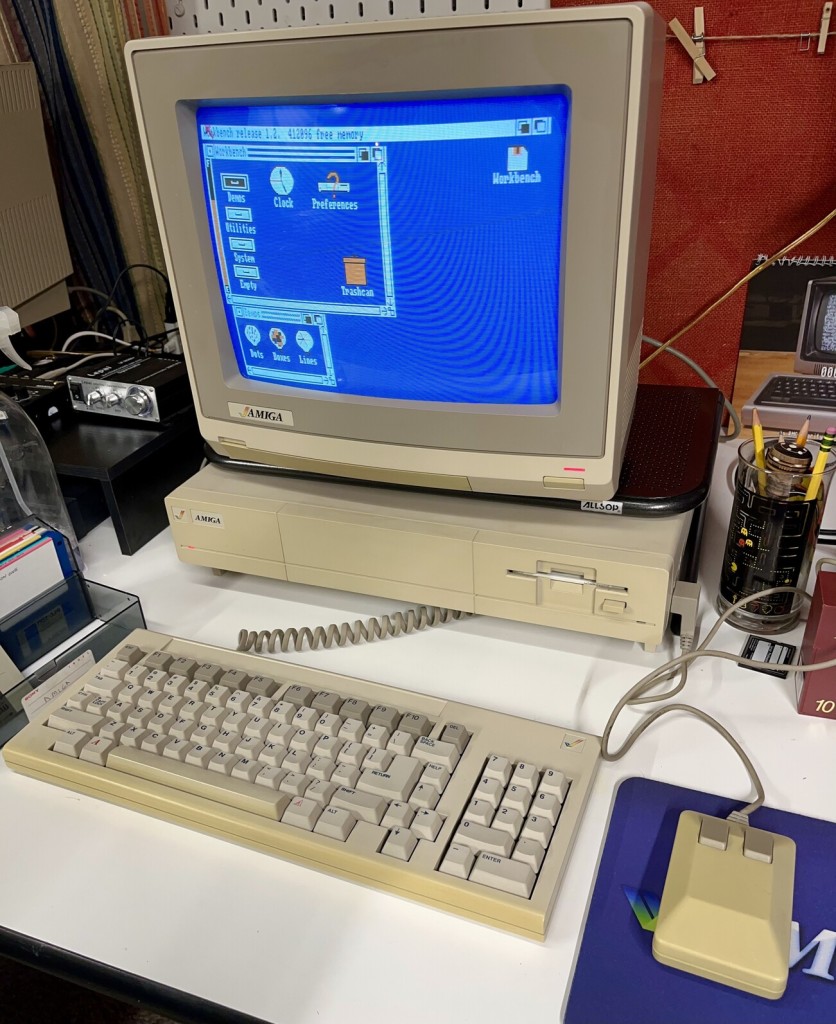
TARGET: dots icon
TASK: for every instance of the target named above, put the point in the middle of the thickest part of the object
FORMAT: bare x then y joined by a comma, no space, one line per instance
252,334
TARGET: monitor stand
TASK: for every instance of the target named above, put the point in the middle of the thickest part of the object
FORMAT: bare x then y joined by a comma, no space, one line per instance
552,564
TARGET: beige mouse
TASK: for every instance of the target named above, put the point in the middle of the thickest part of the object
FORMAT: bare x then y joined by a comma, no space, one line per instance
726,911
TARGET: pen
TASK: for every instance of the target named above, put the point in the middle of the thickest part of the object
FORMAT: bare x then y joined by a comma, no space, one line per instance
757,434
821,461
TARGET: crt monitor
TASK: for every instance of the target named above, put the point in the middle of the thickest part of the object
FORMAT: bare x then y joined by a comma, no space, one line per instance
412,252
816,351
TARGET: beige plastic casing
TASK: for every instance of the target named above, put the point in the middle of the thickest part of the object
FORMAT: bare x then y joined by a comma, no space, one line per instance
608,575
611,58
725,916
574,753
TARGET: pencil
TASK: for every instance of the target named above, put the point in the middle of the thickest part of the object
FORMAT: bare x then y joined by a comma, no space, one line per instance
821,461
801,439
757,435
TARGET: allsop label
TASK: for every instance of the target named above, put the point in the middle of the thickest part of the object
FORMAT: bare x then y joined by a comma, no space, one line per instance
610,508
259,414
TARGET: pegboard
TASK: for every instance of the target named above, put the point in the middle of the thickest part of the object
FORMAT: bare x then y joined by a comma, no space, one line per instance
193,17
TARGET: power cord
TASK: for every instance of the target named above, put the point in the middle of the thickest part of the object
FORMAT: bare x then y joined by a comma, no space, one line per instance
398,624
735,419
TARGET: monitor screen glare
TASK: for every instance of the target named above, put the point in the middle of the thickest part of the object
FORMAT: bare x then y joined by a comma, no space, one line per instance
406,250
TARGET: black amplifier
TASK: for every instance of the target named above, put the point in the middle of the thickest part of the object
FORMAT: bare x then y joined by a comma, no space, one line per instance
40,399
140,388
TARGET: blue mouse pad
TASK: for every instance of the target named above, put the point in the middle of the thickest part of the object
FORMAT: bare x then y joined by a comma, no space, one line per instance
617,981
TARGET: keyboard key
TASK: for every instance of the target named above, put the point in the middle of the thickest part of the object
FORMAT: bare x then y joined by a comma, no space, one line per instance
177,749
273,754
415,725
96,750
424,796
437,776
239,700
352,754
112,730
376,736
356,709
400,844
156,679
223,762
262,686
427,824
401,743
538,828
197,689
129,653
526,776
436,752
518,798
132,736
294,784
297,761
321,768
458,860
548,806
183,667
457,735
154,742
247,770
479,837
283,712
364,806
80,700
158,660
270,777
137,674
385,715
208,673
320,791
498,768
327,702
335,823
298,696
480,812
502,873
555,782
249,747
352,730
190,779
150,699
260,707
70,742
395,784
530,852
69,718
305,718
235,679
377,760
399,815
509,820
302,813
490,790
218,695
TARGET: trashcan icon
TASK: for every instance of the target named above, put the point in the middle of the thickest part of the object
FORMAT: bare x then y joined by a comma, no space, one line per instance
355,269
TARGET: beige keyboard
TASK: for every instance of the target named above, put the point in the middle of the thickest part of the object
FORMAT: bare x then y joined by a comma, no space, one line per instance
460,808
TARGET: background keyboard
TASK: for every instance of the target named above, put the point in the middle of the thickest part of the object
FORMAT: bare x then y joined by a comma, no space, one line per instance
786,399
464,809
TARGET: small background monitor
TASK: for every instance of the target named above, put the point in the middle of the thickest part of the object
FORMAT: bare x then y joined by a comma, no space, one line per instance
816,352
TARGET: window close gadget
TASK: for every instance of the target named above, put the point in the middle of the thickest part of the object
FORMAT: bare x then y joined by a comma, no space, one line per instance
412,252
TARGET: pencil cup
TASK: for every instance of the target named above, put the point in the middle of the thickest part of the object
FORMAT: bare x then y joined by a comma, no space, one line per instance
772,536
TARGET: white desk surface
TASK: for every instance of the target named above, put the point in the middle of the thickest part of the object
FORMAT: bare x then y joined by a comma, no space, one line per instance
288,944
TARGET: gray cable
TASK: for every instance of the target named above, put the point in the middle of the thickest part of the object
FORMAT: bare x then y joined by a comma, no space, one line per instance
700,372
638,693
399,624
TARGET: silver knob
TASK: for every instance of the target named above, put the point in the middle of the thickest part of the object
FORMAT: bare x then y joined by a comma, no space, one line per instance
137,403
94,397
112,399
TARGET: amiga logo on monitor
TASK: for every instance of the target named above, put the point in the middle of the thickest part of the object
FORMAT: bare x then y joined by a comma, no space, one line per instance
417,248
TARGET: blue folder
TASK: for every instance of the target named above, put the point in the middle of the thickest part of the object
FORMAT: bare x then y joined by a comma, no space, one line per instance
616,979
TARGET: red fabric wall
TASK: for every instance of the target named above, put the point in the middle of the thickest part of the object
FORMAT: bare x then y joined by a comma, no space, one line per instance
747,162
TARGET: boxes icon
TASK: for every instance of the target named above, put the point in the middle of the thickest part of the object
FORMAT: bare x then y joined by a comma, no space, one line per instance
355,270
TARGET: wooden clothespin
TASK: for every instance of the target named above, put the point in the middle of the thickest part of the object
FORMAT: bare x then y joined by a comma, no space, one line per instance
699,41
698,57
824,27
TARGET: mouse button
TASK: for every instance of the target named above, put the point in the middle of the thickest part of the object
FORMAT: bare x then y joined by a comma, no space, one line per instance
758,845
714,833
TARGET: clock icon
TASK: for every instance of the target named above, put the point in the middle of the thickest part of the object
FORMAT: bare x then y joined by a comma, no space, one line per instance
282,181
